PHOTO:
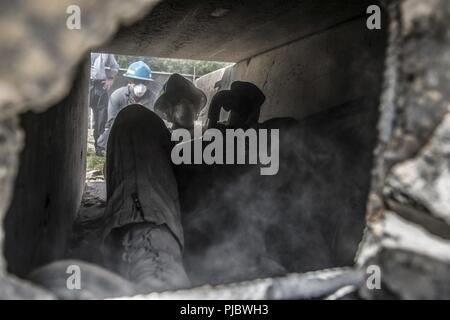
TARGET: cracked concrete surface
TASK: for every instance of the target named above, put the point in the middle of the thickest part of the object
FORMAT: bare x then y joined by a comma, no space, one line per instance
40,54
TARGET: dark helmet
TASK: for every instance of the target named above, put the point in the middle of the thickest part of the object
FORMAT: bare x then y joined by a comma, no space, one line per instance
180,101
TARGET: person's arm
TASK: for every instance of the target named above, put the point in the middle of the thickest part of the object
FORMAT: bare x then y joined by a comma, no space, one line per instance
113,65
253,117
222,99
94,57
112,72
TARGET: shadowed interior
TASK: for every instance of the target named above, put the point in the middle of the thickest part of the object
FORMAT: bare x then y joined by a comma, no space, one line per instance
315,61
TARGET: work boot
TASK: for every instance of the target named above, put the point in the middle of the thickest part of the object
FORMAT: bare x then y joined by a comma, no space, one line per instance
100,152
150,257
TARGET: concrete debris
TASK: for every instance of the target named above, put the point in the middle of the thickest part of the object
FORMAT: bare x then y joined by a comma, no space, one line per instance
311,285
411,244
13,288
424,94
426,178
94,283
409,275
11,139
395,232
95,175
29,60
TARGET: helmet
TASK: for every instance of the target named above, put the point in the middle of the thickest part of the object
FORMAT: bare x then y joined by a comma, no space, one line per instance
139,70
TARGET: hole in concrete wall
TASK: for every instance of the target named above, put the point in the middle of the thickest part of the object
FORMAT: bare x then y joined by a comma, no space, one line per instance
88,224
161,69
317,68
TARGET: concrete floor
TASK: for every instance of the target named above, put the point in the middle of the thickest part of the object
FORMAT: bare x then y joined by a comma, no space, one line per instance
85,241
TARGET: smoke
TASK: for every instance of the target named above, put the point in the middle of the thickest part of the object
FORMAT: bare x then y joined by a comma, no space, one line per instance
240,225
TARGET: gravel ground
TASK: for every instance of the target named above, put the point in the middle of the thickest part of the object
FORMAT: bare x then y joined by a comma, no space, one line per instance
94,163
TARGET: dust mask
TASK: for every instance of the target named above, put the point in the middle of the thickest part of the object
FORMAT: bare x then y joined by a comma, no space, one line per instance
139,90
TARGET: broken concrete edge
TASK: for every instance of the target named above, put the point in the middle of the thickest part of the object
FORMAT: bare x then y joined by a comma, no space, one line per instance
310,285
414,13
395,232
13,288
410,262
387,110
12,136
406,275
376,205
323,284
424,192
64,78
408,230
11,143
42,105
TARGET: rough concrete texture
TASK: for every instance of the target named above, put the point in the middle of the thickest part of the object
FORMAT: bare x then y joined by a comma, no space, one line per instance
13,288
409,275
311,285
410,241
394,232
11,138
95,282
39,55
295,87
425,179
424,78
49,182
193,30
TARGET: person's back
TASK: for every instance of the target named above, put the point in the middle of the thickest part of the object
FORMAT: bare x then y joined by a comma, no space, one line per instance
101,81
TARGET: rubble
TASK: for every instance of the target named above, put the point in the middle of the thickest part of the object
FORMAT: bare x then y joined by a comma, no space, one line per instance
13,288
426,178
410,240
95,282
409,275
310,285
24,33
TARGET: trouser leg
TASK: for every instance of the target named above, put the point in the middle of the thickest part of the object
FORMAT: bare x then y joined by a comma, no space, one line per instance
95,118
99,106
102,113
102,118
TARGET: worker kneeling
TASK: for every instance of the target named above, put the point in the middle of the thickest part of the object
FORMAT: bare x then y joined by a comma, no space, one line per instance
143,236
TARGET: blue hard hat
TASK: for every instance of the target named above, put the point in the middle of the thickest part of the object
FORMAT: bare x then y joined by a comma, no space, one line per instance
139,70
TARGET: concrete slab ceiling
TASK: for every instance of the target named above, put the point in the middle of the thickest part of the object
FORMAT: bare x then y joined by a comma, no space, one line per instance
232,31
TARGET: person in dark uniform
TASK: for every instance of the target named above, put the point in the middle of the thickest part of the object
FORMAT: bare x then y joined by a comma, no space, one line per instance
101,82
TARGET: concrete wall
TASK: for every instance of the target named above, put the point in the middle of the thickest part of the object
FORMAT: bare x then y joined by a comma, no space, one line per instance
332,82
312,74
50,181
300,78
